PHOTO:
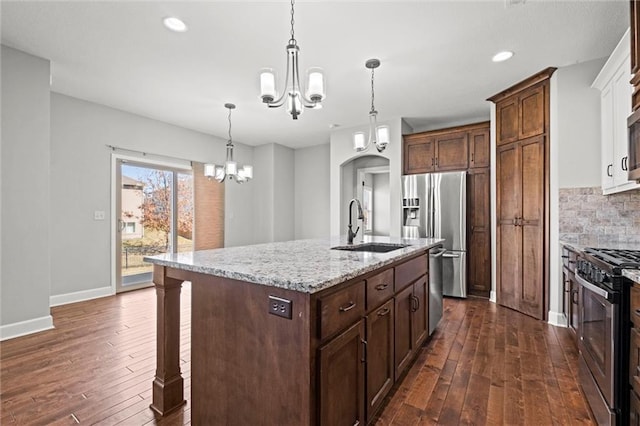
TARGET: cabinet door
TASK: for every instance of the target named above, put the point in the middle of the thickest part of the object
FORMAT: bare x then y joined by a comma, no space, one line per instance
479,224
634,417
507,120
566,295
531,112
380,347
479,155
575,308
634,362
419,154
621,109
403,338
341,383
420,311
606,141
452,151
532,226
508,234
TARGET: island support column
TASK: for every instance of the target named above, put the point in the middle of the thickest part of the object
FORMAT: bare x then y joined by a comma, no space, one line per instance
168,385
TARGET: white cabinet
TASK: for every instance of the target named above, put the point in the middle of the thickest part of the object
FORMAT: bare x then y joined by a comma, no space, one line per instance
615,106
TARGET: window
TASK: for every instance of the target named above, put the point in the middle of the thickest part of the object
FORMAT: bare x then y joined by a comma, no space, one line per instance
130,228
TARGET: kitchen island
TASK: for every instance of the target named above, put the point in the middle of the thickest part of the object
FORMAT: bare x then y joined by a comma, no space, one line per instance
285,333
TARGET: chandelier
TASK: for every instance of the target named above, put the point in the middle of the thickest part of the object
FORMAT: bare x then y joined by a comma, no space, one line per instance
293,94
230,168
378,135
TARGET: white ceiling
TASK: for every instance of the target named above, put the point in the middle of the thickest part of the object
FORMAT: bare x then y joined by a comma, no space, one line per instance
436,56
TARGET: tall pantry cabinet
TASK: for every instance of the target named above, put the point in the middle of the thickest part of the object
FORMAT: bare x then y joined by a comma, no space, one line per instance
522,194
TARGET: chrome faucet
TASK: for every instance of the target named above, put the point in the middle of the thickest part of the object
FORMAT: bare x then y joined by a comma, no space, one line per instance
350,234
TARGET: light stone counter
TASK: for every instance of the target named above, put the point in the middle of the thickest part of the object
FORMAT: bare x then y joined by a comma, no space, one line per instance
632,274
307,266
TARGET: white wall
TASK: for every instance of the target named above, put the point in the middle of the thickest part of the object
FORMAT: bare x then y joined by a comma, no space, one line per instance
341,152
381,204
273,203
25,272
81,181
311,185
575,155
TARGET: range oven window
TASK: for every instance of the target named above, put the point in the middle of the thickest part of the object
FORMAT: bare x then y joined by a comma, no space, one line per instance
595,327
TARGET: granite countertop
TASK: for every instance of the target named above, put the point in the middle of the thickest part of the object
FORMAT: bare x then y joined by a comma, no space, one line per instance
307,266
632,274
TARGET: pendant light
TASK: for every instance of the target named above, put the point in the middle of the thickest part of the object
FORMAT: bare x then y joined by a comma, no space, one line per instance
378,135
293,96
230,168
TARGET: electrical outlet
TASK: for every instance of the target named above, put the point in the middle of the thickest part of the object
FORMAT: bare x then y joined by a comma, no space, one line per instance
280,307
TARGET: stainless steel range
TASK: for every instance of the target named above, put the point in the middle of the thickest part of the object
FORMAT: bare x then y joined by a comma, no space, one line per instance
604,331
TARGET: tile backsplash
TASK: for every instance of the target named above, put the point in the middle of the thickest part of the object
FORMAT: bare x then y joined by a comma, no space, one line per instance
589,218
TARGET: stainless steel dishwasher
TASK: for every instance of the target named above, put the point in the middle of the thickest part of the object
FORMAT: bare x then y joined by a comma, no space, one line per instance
435,287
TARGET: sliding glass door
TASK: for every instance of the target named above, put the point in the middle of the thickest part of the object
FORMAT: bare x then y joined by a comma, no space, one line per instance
154,215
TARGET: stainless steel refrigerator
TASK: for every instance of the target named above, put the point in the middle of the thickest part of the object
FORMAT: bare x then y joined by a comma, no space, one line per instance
435,205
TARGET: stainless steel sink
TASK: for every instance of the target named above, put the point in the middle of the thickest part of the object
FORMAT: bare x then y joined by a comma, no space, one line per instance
371,247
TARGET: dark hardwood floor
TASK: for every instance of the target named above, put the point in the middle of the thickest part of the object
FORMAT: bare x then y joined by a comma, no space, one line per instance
484,365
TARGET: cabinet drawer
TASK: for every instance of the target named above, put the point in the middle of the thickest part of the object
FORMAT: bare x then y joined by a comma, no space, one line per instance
340,309
408,272
635,306
569,258
379,288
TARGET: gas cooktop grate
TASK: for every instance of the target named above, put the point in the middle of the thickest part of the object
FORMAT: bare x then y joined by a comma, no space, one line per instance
617,257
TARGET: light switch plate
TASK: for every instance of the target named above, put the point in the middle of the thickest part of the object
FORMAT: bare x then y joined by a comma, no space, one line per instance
98,215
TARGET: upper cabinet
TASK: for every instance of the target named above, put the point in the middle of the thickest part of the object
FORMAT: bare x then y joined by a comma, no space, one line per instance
520,116
634,120
613,81
455,148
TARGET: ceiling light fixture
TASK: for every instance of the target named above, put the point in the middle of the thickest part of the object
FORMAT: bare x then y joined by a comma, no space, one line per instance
378,135
293,94
502,56
174,24
230,168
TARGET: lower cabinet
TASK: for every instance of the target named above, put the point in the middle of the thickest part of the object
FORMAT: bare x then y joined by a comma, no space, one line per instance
571,289
412,322
368,334
342,379
634,412
380,368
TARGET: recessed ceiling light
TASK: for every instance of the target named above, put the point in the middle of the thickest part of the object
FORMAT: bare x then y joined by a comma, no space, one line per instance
502,56
174,24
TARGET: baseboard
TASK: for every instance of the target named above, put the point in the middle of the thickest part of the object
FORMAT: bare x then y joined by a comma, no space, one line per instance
80,296
558,319
22,328
492,296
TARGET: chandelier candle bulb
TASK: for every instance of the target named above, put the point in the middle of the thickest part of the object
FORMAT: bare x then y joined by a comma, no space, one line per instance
231,167
315,88
383,135
358,141
248,172
267,85
209,170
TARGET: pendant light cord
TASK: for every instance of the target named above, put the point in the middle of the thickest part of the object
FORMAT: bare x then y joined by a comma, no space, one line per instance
293,38
373,109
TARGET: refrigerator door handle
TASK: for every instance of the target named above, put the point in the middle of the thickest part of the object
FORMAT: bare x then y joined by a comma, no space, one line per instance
450,255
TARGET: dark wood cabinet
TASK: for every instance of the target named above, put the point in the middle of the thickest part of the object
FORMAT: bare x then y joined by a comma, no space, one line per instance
634,356
520,232
521,116
451,152
479,154
454,148
634,412
419,154
380,350
522,191
479,232
341,387
412,322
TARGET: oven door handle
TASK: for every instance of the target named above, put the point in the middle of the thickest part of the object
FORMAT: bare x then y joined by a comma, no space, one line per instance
593,288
